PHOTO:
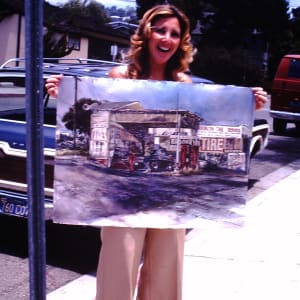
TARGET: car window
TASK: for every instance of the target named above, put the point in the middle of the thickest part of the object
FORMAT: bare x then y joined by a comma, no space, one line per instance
12,93
294,70
52,102
13,100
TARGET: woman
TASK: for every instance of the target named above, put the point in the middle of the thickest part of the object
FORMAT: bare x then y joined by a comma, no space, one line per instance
160,50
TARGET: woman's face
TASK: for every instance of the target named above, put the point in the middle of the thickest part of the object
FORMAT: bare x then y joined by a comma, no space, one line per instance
164,40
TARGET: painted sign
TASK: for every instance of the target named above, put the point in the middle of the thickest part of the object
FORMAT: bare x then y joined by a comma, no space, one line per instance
141,153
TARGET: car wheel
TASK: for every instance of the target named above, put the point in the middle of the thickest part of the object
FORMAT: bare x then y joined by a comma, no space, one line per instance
279,125
255,149
154,166
297,124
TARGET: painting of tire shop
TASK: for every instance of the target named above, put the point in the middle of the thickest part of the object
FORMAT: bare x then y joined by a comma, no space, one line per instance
151,154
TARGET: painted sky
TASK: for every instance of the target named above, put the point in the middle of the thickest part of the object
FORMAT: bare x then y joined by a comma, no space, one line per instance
203,99
294,3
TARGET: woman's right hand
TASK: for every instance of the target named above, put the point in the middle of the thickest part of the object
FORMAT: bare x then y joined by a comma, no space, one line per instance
52,84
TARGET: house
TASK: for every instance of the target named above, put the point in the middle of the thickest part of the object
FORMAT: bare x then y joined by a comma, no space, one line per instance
80,38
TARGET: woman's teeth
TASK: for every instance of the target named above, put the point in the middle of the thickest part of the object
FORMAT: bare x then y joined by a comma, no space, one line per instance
164,49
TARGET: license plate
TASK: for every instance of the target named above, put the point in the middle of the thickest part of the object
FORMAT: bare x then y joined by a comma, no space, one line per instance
9,208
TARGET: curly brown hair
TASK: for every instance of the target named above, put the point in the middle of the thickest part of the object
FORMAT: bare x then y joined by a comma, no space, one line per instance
138,67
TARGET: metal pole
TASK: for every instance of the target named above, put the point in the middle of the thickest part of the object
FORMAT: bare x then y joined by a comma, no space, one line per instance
35,143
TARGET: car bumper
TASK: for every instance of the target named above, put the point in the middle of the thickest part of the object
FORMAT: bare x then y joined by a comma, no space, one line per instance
285,115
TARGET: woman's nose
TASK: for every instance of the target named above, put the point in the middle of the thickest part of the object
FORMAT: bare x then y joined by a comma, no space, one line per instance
166,35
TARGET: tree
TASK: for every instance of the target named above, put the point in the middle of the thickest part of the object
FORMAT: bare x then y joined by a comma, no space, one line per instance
250,29
295,25
192,8
72,16
56,45
80,11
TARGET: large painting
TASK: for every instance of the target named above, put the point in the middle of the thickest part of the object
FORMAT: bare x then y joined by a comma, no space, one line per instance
142,153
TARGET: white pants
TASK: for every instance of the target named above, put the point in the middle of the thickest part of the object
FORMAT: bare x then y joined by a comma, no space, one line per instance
122,250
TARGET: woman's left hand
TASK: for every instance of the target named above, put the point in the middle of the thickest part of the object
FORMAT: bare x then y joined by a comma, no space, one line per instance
261,97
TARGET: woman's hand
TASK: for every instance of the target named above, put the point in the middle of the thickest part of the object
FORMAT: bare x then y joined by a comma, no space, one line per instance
52,84
260,96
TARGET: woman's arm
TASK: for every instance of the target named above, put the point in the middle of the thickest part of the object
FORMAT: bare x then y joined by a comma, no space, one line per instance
184,78
52,83
118,72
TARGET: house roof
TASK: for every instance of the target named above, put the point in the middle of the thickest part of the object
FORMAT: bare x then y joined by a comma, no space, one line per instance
57,19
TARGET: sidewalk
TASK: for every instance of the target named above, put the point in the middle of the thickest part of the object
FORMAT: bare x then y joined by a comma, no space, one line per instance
258,261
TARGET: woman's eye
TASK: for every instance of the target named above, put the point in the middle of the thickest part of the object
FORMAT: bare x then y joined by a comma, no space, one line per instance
160,31
175,35
163,31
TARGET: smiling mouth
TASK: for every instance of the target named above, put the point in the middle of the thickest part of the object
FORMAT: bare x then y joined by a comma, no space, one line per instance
163,49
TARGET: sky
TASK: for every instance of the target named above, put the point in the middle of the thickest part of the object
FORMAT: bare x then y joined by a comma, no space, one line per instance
118,3
125,3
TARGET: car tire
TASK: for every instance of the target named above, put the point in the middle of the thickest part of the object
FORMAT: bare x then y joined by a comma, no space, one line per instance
255,149
279,125
154,166
297,124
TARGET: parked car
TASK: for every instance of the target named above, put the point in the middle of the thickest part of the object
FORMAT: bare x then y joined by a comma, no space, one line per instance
13,196
285,93
260,136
